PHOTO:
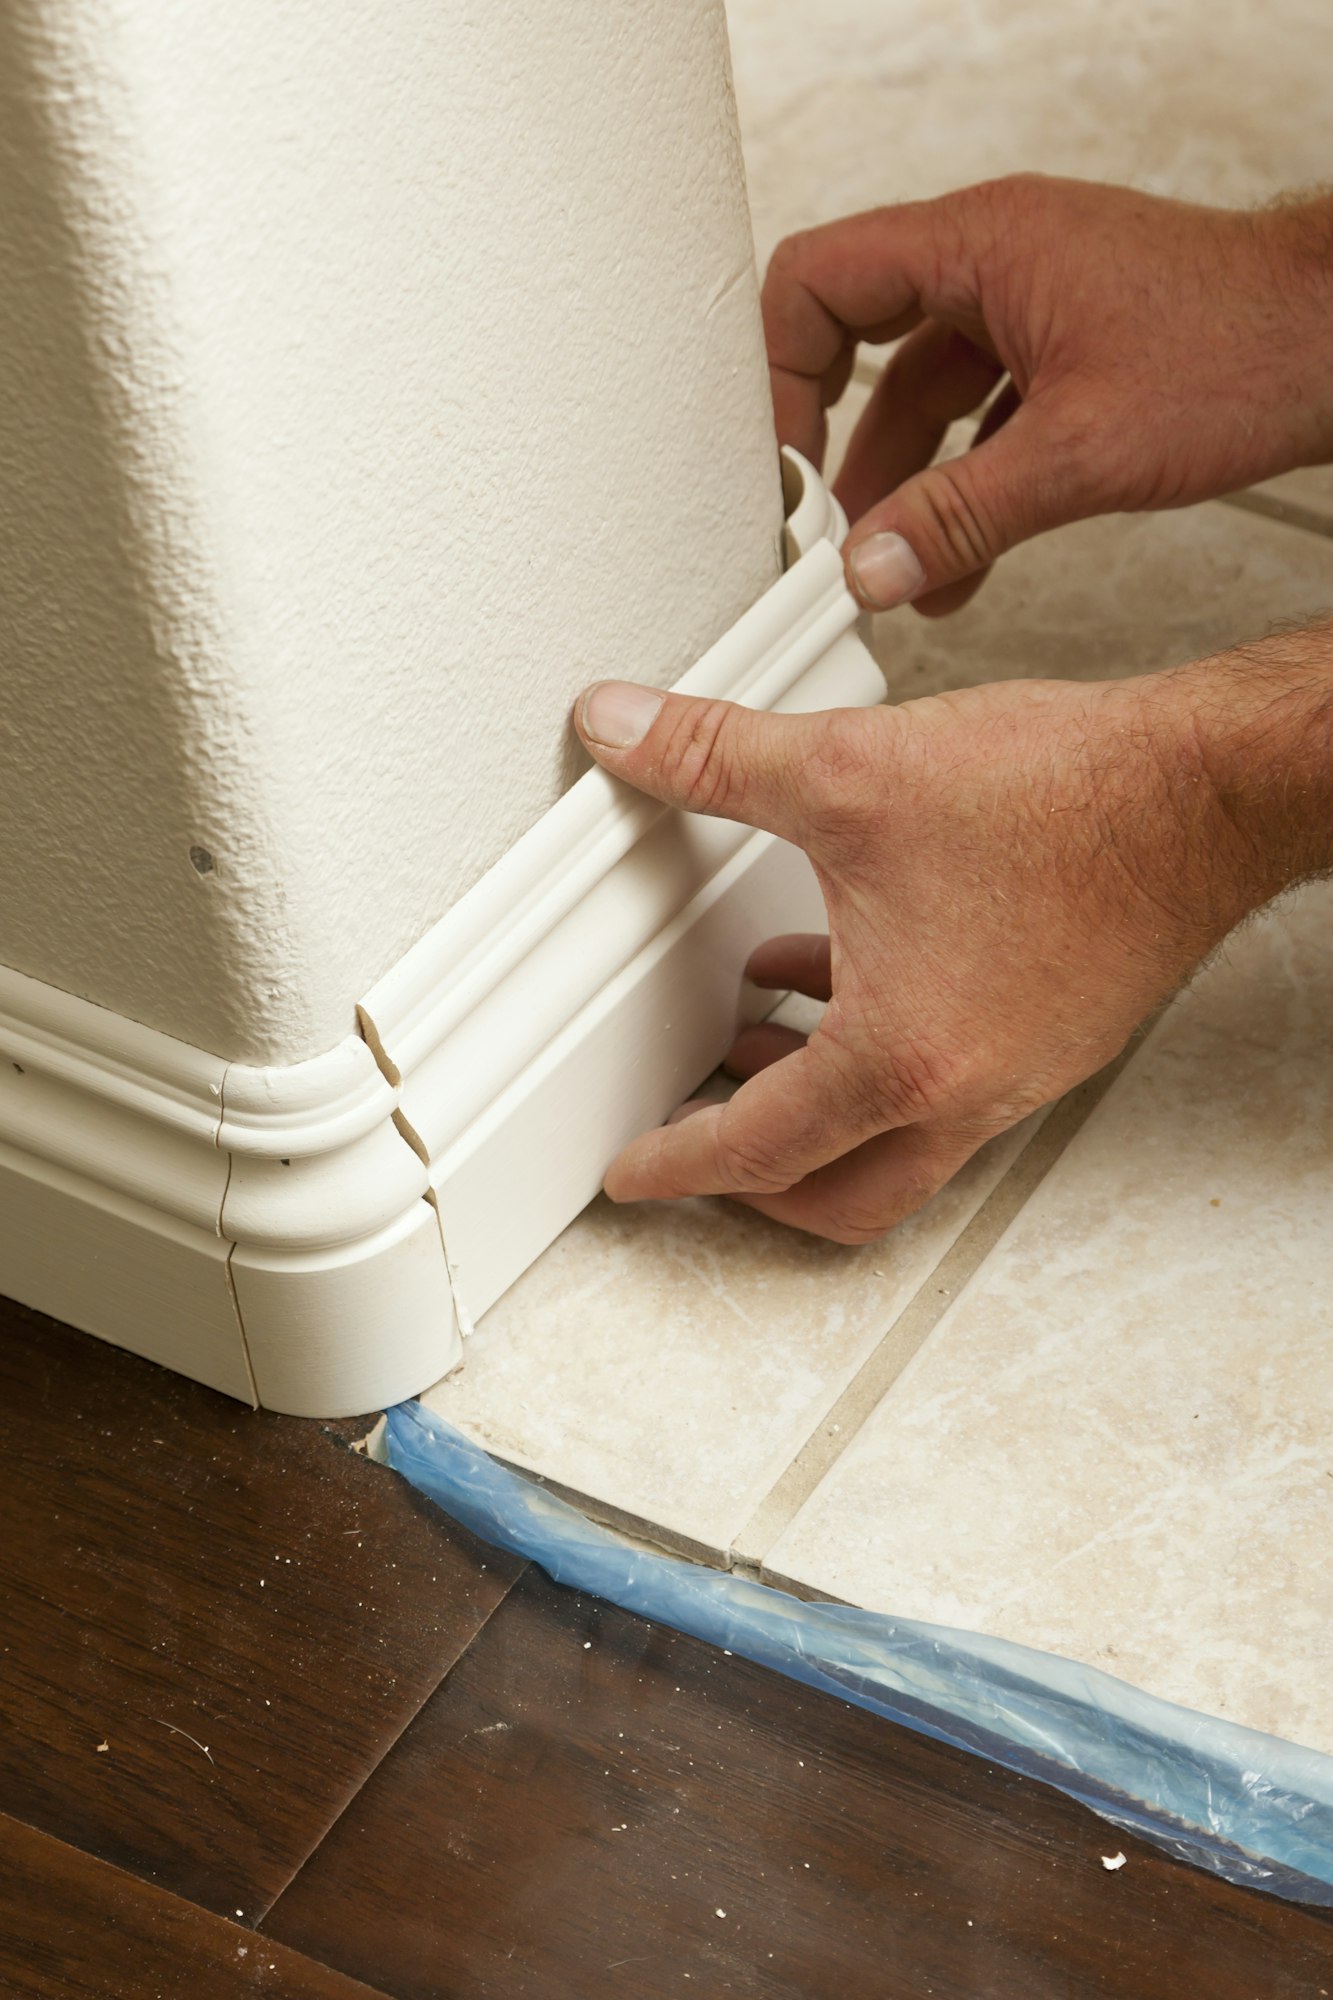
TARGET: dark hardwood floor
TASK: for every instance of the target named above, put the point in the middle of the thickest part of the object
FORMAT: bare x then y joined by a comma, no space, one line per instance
270,1724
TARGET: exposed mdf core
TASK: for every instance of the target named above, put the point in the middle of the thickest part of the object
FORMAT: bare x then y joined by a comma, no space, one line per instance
369,381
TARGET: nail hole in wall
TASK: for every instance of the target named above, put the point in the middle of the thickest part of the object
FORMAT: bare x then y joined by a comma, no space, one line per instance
202,861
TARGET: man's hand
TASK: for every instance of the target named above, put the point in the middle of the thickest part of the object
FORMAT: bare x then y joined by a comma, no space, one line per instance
1015,875
1146,353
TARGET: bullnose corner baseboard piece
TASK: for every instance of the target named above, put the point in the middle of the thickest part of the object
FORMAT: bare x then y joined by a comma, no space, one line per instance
280,1233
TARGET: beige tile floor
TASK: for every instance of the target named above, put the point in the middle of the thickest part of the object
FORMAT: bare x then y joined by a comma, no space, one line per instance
1073,1401
849,103
1117,1444
668,1363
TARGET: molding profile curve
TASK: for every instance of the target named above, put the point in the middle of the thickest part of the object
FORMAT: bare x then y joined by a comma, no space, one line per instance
316,1238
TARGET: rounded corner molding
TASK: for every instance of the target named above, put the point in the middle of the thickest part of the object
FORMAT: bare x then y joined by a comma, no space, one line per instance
281,1233
812,514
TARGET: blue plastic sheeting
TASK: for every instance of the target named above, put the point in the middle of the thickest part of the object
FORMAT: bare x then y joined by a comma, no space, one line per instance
1248,1807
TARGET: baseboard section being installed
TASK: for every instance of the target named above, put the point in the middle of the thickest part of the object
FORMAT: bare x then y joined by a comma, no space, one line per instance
313,1238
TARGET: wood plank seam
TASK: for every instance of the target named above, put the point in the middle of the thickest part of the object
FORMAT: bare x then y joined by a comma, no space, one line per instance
390,1745
137,1887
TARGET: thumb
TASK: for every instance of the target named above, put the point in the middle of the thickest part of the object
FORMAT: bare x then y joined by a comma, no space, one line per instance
952,520
705,756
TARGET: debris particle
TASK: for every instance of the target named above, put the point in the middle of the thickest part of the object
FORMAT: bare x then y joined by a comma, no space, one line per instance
587,1645
189,1739
104,1745
720,1913
1110,1862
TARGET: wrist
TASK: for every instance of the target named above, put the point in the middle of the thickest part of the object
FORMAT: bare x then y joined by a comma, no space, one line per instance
1255,726
1298,240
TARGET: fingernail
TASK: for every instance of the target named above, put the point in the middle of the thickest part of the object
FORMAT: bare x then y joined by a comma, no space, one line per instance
619,714
886,571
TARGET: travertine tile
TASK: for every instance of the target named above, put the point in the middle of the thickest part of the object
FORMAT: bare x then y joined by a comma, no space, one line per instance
666,1362
1117,1444
858,102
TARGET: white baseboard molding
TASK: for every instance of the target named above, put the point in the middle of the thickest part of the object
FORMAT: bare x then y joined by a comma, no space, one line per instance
313,1238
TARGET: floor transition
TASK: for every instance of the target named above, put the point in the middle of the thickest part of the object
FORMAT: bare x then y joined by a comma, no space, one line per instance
272,1725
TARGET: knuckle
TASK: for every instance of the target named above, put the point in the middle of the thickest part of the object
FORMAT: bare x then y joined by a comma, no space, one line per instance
746,1167
699,760
1077,423
783,287
1026,185
837,778
918,1078
960,524
1014,197
788,253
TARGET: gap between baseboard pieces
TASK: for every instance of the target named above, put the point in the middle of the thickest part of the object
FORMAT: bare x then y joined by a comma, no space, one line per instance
907,1333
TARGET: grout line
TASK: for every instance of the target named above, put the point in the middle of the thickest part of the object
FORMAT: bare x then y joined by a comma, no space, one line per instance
1290,513
262,1916
922,1314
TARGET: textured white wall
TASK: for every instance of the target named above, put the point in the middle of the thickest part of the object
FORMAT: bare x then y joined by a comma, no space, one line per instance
370,378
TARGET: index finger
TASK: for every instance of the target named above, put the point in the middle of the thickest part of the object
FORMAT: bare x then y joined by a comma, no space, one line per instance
794,1116
872,277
